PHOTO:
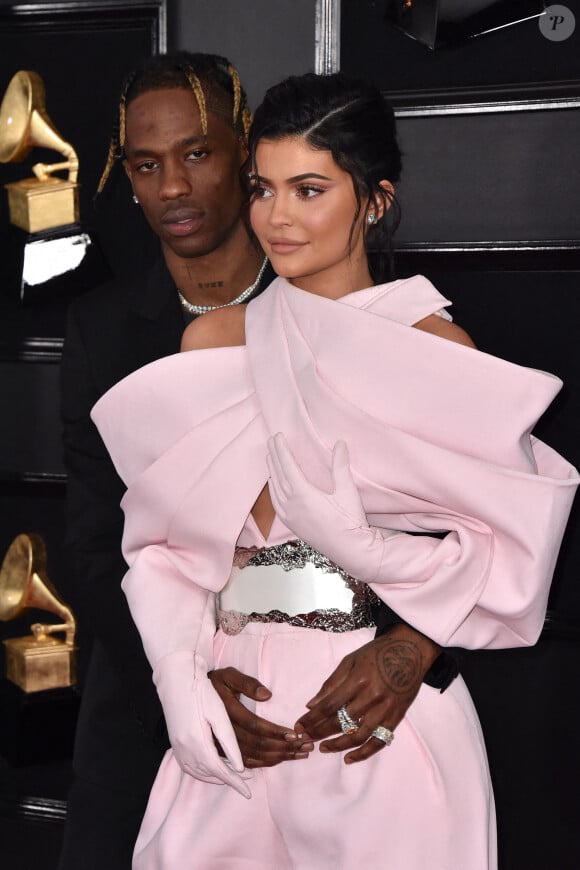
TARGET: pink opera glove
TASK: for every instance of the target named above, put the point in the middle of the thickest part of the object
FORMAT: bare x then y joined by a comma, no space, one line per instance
176,620
333,523
195,714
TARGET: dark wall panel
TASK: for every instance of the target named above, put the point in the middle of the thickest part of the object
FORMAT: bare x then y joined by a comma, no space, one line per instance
494,176
30,436
267,41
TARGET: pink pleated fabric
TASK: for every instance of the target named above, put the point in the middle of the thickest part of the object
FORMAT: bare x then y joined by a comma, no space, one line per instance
439,440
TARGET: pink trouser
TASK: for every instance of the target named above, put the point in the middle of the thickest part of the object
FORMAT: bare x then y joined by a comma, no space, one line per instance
424,803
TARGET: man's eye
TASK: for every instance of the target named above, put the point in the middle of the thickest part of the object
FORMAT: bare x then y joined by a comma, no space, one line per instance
147,166
198,154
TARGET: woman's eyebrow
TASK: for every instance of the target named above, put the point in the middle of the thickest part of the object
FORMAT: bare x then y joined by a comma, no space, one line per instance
294,178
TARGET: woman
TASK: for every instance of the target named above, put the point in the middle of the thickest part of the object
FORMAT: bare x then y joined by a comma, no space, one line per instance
350,455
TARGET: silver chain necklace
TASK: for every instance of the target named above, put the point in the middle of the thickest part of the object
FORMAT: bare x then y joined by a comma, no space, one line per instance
245,294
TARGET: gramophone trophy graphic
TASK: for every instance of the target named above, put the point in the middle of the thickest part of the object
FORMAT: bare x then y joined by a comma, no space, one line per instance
56,254
39,661
45,201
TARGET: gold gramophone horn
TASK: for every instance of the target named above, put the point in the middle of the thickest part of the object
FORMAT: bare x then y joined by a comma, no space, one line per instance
46,201
24,124
24,583
38,661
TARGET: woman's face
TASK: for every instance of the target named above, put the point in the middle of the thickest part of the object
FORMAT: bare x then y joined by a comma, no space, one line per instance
302,211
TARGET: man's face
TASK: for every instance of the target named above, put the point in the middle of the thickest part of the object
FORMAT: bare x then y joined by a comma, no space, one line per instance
188,186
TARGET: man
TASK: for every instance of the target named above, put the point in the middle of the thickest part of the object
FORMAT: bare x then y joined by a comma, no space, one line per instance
181,136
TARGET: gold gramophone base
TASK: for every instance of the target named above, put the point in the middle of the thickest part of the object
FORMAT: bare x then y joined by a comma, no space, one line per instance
37,665
42,205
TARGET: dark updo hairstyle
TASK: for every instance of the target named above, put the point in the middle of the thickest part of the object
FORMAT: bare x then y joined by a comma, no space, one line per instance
351,119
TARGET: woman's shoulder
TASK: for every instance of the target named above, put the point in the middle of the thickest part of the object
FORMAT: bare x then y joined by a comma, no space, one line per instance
223,327
437,325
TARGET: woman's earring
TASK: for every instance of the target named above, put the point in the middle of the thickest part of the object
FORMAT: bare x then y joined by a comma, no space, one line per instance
371,218
135,200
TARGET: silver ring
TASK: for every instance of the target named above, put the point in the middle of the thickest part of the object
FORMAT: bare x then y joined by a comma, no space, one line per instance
347,724
384,734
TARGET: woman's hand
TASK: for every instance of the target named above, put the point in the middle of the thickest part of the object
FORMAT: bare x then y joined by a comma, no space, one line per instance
196,720
377,684
334,523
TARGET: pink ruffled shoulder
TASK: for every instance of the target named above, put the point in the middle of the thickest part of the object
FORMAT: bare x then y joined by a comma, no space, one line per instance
152,409
406,301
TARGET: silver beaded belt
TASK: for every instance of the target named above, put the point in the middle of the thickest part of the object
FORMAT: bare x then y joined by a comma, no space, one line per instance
295,584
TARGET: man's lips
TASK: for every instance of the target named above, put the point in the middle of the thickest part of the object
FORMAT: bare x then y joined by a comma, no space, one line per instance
182,221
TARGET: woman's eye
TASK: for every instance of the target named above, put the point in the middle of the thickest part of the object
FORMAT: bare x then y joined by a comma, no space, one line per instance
307,191
259,192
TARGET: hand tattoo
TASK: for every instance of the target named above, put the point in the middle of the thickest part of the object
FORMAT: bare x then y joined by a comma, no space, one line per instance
400,665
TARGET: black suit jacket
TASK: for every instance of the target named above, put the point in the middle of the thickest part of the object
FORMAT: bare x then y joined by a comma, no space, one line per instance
111,332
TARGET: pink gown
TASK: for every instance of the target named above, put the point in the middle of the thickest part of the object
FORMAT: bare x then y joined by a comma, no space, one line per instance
439,439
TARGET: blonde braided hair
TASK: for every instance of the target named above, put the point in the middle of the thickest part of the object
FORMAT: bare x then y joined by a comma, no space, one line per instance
171,71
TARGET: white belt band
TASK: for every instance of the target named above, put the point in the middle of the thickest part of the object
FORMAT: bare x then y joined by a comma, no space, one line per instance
263,588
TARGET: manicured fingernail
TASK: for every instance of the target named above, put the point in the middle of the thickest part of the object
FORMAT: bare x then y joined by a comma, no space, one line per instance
307,747
291,735
324,748
301,755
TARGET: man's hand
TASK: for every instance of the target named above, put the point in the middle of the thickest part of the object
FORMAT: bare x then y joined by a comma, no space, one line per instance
377,684
262,743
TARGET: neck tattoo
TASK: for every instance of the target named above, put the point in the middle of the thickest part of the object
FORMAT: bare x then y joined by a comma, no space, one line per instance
210,285
245,294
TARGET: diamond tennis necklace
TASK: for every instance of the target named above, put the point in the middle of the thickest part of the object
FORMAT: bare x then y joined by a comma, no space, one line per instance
245,294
